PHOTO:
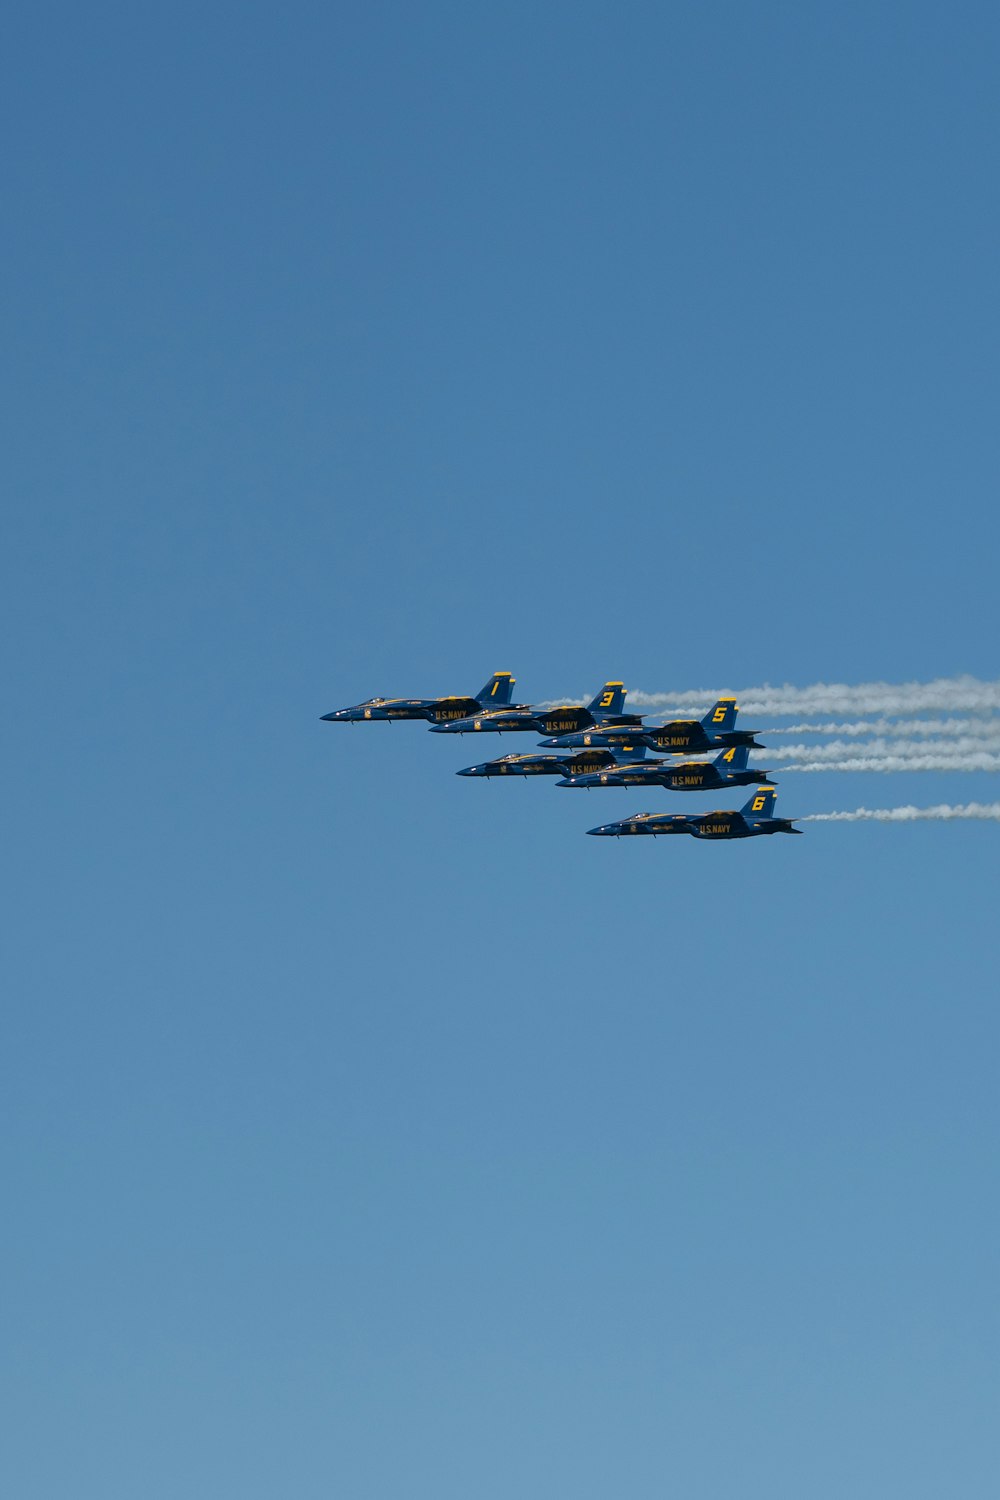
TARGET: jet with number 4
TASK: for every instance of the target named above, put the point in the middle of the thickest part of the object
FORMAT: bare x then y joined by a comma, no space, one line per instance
496,693
716,731
756,817
570,763
605,708
729,768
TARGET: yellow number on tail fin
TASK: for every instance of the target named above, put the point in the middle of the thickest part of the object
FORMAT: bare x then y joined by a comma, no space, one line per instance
757,804
607,699
729,754
719,715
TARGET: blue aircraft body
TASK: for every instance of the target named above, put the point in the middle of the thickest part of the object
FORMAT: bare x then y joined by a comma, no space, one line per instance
605,708
752,819
729,768
716,731
497,692
570,763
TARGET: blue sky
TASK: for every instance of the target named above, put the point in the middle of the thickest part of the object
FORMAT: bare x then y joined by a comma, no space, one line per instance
371,1131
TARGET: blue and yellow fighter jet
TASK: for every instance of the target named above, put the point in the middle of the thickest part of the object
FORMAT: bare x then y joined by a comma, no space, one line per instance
570,763
727,769
755,818
715,731
497,692
606,708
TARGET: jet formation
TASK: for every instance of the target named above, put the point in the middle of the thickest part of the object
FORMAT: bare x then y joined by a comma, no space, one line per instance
597,745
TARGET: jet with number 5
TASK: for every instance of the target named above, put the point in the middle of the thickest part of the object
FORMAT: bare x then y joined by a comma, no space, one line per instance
753,819
729,768
716,731
605,708
496,693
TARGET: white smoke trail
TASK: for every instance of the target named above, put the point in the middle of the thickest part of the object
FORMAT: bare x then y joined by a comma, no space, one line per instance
985,728
981,762
944,695
962,747
988,810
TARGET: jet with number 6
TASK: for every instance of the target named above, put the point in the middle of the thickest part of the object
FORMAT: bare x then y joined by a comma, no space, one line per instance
729,768
753,819
496,693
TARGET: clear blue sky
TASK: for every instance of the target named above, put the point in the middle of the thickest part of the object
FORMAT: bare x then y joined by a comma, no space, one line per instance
370,1132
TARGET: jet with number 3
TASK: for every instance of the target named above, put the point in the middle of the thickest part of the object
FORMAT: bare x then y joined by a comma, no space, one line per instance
605,708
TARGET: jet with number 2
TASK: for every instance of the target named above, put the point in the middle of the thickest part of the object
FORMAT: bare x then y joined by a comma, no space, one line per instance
606,708
496,693
570,763
716,731
726,770
752,819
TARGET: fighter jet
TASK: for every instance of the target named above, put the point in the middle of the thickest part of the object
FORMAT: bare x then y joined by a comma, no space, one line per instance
727,769
714,732
753,819
606,708
497,692
570,763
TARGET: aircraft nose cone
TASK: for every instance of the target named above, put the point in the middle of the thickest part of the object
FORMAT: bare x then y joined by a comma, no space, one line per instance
604,828
330,718
470,771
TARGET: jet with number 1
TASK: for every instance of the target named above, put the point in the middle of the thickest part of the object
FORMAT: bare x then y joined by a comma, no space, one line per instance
756,817
496,693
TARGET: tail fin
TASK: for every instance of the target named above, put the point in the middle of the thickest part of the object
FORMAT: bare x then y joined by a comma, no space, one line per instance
733,759
609,701
498,691
761,804
722,716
